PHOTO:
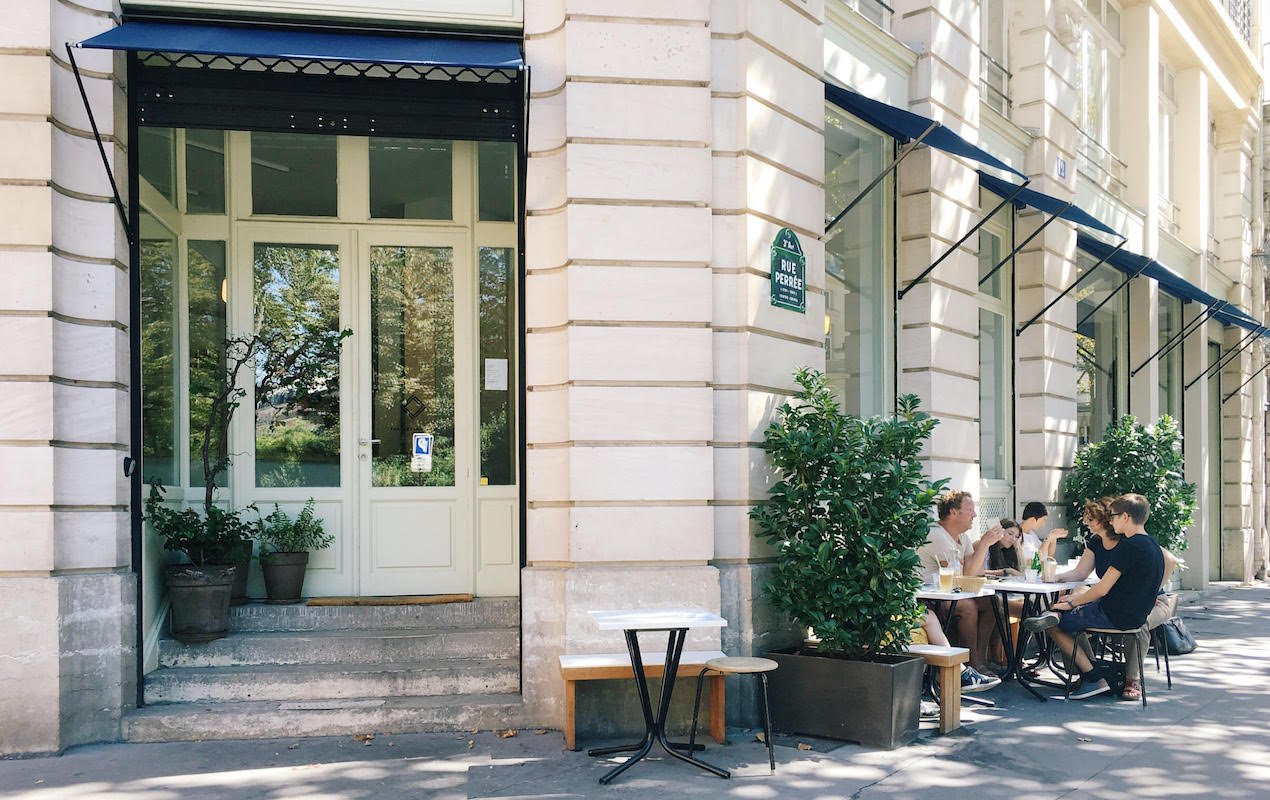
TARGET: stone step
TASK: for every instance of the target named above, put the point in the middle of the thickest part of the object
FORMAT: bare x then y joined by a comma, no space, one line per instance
331,681
483,612
343,647
177,722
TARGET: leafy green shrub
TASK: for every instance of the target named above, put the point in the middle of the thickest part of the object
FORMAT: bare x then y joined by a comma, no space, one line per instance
221,537
279,533
846,515
1136,458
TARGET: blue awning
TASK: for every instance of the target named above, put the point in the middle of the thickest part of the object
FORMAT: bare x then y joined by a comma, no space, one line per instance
1170,281
1044,202
343,46
905,126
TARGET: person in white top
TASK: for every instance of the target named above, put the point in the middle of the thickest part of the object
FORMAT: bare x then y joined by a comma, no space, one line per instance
949,542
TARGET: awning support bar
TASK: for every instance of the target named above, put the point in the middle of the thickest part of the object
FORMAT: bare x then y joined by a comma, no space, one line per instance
1114,292
101,148
1088,274
1229,356
1179,337
1023,243
982,221
855,201
1245,383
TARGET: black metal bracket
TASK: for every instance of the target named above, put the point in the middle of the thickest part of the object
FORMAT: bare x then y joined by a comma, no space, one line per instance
1088,274
1245,383
101,147
1024,243
1176,339
1229,356
903,154
1114,292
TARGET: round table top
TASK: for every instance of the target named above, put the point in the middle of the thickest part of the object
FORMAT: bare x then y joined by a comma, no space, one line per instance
741,664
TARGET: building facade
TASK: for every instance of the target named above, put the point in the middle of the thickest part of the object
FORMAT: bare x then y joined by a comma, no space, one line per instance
559,265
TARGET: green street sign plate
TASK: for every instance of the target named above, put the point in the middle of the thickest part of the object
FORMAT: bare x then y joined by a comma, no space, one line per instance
789,272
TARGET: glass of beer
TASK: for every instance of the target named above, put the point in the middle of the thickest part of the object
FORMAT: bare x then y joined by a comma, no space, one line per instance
946,575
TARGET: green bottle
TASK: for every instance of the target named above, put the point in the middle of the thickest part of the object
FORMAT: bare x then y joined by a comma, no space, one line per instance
1036,562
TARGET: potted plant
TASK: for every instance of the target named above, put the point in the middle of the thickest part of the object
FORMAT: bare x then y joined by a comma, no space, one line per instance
848,509
200,587
284,549
1146,460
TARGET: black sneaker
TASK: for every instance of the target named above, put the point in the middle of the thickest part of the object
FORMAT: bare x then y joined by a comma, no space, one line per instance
1089,688
1041,623
974,681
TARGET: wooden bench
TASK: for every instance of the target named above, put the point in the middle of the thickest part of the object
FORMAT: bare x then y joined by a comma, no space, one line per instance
948,660
607,666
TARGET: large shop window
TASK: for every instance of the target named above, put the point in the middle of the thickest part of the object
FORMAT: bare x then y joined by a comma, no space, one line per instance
996,363
1170,362
858,305
1100,341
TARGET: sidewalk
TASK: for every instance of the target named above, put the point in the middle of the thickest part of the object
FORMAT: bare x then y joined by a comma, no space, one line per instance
1207,737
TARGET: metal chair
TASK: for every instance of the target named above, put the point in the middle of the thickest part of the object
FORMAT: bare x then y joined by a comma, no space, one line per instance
737,665
1142,634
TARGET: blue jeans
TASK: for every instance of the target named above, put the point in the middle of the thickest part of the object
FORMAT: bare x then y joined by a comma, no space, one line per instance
1089,615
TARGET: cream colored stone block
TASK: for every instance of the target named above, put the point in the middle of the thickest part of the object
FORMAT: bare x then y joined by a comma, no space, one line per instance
1051,449
77,165
1044,375
27,277
547,535
945,306
26,541
636,51
936,215
25,83
787,31
543,16
772,78
89,414
547,125
779,195
28,346
741,473
743,415
727,184
729,124
68,105
25,25
952,395
547,416
639,354
98,540
70,23
934,347
546,358
26,154
1048,341
1045,413
656,294
781,140
731,298
636,233
90,352
546,299
89,477
545,241
759,234
85,227
29,476
547,473
756,359
545,185
686,10
765,317
735,535
26,214
1043,484
546,59
727,240
641,473
90,291
641,533
26,411
29,664
589,588
624,172
960,474
636,413
632,111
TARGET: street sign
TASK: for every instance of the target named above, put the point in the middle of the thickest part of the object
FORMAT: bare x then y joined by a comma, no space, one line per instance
789,272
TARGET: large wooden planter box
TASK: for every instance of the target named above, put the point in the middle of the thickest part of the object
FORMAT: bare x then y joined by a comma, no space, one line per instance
875,703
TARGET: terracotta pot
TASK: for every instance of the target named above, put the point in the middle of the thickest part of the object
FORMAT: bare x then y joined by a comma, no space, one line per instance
284,576
200,601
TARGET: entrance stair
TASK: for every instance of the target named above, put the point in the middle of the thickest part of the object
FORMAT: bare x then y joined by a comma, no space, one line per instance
300,670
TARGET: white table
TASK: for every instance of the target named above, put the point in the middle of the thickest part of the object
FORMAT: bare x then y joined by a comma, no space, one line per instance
677,621
1033,592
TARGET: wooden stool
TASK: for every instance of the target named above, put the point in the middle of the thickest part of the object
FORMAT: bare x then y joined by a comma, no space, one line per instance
738,665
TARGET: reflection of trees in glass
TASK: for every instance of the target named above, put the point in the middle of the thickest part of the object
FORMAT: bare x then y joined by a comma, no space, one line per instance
297,365
158,357
412,344
205,281
496,343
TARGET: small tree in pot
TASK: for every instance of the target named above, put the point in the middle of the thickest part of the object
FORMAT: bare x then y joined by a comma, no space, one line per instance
284,549
846,514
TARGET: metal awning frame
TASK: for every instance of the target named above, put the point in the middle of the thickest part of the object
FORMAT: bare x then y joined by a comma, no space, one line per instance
1025,242
1230,355
1088,274
1176,339
1114,291
1245,383
895,163
101,147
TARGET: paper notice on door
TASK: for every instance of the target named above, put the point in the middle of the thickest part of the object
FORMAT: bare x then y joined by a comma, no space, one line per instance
495,374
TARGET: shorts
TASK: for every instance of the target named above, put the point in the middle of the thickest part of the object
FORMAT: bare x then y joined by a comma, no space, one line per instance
1089,615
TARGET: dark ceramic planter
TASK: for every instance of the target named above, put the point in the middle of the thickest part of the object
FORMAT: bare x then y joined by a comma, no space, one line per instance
200,601
238,595
284,576
874,703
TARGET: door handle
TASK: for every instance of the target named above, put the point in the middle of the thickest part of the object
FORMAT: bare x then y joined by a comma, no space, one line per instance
367,442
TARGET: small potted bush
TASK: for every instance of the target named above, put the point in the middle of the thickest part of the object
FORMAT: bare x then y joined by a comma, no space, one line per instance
285,543
847,511
200,587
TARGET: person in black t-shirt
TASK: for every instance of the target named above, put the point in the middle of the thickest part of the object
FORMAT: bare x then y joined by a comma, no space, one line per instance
1121,600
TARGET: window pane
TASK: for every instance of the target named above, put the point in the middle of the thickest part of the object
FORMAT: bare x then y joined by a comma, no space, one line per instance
412,352
293,174
158,352
297,305
205,172
1097,351
496,186
857,255
497,367
411,179
156,159
990,253
208,304
1171,362
993,396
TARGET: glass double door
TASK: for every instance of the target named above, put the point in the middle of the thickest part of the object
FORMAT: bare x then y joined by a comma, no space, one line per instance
406,376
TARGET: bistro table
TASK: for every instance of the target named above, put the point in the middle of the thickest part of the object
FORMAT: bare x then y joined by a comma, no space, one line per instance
677,621
1037,597
951,597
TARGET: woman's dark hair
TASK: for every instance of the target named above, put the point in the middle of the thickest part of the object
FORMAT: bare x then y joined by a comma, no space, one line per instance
1005,557
1035,509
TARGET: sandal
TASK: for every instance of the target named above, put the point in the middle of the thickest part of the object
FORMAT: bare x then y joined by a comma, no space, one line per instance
1132,690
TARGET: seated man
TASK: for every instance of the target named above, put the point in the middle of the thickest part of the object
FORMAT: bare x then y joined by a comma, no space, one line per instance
1121,600
949,543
